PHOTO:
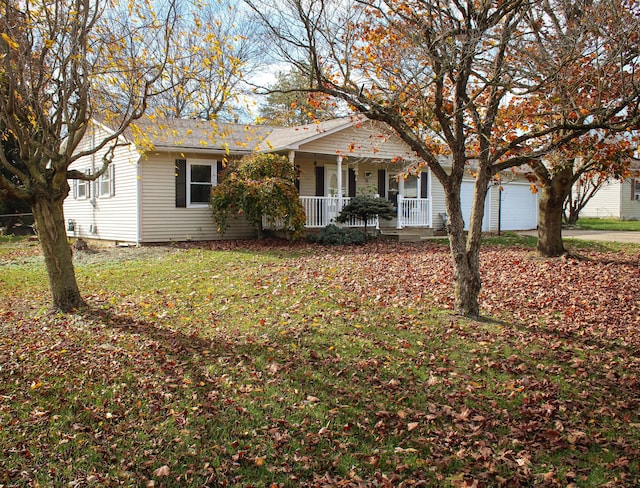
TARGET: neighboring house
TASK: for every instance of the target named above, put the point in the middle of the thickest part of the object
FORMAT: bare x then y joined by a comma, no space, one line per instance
615,199
157,187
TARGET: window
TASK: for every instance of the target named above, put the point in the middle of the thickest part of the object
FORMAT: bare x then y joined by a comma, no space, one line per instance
409,183
104,185
635,187
194,179
411,186
82,187
201,176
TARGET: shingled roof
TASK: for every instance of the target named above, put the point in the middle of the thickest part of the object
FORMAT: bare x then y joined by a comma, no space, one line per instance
191,134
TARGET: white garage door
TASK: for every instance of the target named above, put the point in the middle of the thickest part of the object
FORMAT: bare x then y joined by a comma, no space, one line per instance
519,209
466,198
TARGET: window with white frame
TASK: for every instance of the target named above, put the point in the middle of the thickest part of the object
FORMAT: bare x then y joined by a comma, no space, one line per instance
636,189
82,187
201,176
105,183
409,184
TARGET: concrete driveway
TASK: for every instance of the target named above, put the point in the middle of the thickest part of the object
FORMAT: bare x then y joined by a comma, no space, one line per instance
595,235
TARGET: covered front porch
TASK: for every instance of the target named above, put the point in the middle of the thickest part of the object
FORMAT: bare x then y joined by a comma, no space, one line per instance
343,158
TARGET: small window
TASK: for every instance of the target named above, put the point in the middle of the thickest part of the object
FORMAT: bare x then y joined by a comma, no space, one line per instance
82,187
104,185
411,186
636,189
409,183
200,178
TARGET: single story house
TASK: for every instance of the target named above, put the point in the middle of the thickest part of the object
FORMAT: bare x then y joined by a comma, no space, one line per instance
615,199
157,186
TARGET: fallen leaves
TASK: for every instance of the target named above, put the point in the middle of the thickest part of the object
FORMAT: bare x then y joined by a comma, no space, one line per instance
328,367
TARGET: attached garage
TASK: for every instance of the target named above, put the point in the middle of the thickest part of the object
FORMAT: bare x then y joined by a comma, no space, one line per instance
519,207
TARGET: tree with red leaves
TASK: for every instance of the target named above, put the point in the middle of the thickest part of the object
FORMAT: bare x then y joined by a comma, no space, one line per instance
460,83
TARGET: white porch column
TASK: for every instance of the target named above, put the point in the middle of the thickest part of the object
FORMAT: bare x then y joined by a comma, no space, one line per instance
292,157
339,163
399,219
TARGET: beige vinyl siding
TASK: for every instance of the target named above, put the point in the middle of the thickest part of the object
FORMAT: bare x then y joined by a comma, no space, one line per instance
162,221
308,163
307,174
629,208
111,218
493,207
367,185
438,206
607,202
365,140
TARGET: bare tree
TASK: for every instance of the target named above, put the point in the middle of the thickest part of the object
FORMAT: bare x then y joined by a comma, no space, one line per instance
447,76
63,63
593,169
217,47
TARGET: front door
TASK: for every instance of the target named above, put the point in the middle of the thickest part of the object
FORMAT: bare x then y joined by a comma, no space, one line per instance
331,181
331,190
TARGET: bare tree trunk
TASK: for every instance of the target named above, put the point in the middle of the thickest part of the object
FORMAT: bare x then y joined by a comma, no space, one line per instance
550,208
465,249
49,218
574,214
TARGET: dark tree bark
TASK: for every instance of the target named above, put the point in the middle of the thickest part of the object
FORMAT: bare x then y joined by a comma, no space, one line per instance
550,211
465,245
50,226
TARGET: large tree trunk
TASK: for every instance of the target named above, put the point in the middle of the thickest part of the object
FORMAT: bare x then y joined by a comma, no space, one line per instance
465,249
49,219
550,207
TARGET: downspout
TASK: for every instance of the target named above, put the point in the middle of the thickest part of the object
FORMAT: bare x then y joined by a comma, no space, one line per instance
92,185
499,208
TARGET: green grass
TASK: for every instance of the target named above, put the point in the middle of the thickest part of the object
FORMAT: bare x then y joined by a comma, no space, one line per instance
284,368
608,224
512,239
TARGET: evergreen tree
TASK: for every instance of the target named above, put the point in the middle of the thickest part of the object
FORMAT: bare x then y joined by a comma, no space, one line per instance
366,208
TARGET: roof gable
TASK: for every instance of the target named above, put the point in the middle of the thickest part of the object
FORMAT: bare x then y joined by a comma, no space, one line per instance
355,137
282,138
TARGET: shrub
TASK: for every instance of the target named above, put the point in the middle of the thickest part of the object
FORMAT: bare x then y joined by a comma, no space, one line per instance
333,235
366,208
259,186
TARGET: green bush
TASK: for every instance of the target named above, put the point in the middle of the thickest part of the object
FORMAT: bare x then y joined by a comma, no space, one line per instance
333,235
259,186
366,208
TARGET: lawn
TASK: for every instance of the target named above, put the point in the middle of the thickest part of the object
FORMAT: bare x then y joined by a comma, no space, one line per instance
275,365
608,224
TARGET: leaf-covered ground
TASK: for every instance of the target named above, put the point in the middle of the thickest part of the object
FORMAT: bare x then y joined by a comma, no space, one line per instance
262,364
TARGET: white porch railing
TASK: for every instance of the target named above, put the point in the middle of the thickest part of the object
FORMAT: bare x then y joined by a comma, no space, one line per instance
322,211
413,212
